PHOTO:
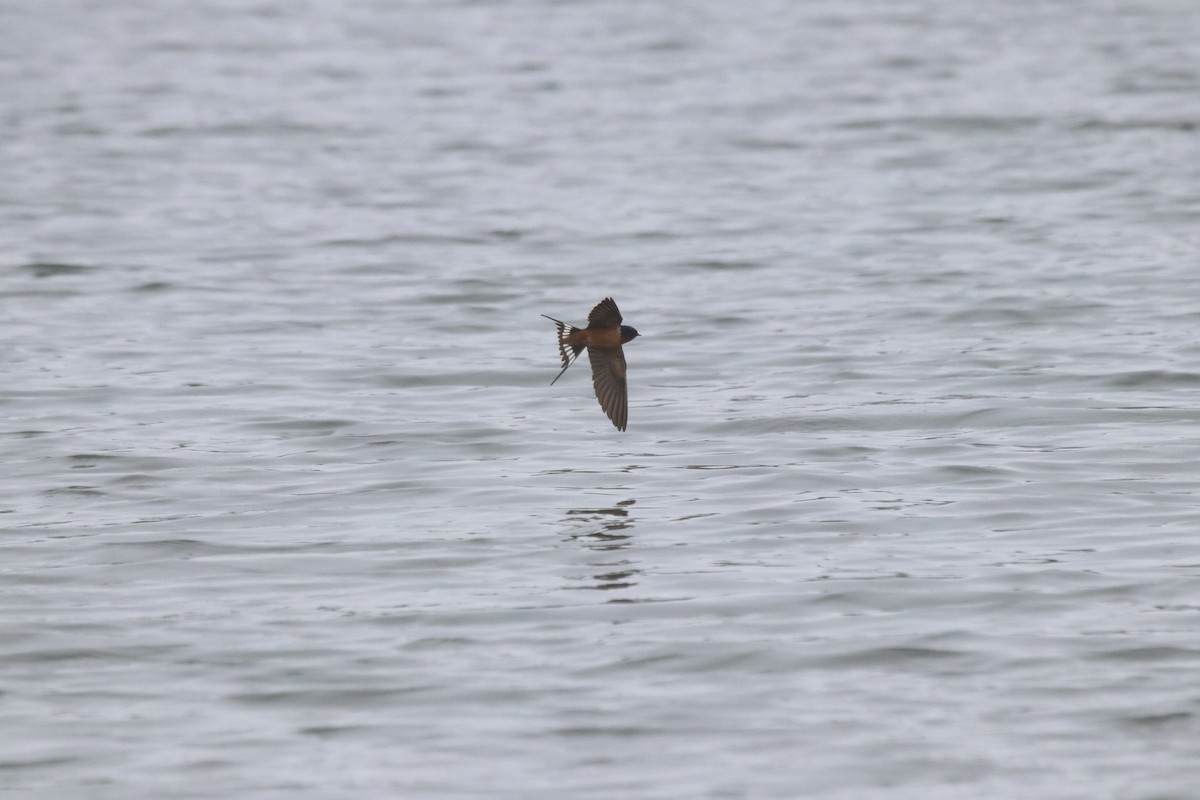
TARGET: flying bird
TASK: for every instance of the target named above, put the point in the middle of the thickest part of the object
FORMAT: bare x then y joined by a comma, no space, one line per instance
603,338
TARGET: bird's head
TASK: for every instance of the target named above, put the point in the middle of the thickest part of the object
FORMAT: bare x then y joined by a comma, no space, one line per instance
628,334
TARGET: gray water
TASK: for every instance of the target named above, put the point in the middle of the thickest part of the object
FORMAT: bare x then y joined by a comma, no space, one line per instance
908,503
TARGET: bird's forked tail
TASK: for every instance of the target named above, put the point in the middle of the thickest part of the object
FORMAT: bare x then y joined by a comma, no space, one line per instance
567,351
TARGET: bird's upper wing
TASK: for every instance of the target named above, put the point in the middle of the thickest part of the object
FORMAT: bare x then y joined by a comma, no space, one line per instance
608,377
605,314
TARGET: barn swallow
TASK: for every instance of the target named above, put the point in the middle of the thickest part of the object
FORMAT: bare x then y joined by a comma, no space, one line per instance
603,338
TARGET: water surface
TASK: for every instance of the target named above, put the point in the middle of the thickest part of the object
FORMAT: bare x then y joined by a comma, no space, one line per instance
907,503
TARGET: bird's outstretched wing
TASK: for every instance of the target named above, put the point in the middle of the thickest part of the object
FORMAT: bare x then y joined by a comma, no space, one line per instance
608,377
605,314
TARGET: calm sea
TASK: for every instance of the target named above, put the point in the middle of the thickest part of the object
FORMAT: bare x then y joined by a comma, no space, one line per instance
908,506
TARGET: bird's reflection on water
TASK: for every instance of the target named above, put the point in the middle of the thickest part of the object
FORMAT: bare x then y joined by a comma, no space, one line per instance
605,530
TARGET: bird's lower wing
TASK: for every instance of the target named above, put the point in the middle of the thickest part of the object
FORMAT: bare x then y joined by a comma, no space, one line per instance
608,377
